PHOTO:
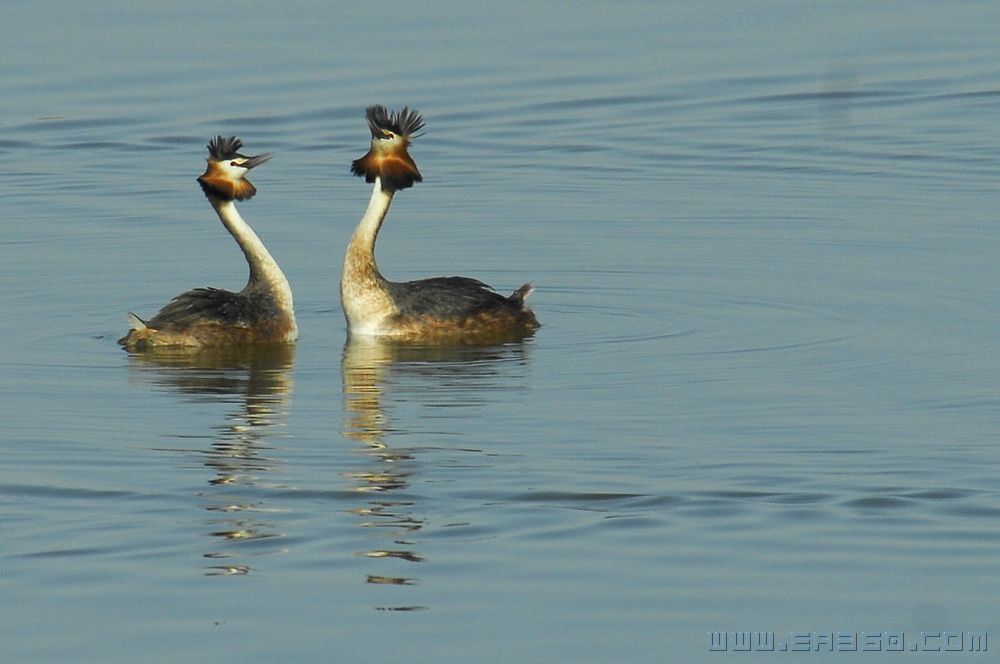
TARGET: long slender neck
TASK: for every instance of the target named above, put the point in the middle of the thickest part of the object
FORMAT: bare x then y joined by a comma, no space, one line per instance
360,260
363,290
265,275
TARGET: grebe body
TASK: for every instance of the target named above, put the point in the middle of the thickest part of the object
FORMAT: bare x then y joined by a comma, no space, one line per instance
440,309
262,312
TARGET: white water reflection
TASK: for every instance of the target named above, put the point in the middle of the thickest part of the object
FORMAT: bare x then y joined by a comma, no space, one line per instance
256,385
378,374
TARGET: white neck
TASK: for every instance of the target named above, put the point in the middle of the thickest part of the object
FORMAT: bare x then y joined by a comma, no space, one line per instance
368,228
362,288
265,275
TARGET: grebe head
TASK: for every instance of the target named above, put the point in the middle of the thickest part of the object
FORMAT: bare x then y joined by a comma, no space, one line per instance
225,175
388,157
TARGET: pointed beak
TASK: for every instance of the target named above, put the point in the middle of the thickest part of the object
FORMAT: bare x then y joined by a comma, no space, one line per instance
253,162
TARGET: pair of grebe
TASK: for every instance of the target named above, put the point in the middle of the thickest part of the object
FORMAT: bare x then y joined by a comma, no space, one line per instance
437,310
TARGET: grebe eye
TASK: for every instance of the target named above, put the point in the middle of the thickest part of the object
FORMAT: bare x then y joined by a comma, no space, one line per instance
233,163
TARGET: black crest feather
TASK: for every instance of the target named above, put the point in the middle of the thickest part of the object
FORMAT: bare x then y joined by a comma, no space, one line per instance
224,148
405,122
390,161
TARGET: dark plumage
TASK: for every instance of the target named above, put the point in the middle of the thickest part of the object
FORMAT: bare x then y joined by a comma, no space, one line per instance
215,304
449,297
388,157
405,122
212,317
459,310
224,148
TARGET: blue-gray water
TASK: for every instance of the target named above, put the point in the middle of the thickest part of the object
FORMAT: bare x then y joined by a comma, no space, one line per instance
764,399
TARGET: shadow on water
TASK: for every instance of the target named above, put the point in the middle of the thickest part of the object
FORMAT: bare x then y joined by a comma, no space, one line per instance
370,368
258,382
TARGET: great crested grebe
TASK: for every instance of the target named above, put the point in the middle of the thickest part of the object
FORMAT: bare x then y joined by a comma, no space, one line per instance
441,309
204,317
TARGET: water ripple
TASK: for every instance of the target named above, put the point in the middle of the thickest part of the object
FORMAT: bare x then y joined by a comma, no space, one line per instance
63,492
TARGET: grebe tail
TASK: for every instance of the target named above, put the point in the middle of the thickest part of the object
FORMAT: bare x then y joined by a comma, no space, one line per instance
436,310
262,312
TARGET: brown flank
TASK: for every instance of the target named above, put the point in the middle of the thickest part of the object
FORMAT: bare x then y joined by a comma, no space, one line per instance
204,334
491,326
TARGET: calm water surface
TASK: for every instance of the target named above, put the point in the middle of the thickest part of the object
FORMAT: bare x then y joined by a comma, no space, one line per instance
764,398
